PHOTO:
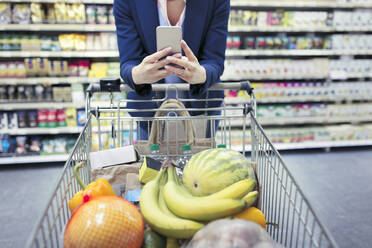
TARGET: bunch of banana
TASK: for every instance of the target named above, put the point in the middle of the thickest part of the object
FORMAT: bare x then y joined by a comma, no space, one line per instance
158,216
170,209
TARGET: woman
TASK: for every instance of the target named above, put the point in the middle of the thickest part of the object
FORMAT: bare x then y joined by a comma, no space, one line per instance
204,24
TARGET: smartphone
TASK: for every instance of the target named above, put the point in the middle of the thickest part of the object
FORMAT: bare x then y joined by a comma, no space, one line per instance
169,36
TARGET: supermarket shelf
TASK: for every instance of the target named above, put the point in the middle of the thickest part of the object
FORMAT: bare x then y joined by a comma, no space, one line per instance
237,100
310,52
332,76
298,4
41,105
298,29
303,120
59,27
35,131
60,54
50,80
34,159
313,145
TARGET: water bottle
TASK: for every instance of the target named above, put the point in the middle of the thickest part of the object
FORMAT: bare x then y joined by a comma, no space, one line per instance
221,146
185,157
155,153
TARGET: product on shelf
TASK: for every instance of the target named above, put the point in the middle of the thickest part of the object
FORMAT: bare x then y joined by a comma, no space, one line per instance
37,13
21,13
5,13
71,117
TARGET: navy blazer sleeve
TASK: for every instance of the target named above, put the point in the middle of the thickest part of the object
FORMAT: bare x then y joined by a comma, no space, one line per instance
130,45
212,54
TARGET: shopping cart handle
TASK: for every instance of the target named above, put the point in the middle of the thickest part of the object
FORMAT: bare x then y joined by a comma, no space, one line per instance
116,85
247,87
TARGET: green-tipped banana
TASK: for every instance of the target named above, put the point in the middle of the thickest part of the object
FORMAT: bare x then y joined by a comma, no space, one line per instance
197,208
250,198
163,223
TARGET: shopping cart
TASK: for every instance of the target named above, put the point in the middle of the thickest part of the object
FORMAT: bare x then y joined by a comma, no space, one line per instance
293,221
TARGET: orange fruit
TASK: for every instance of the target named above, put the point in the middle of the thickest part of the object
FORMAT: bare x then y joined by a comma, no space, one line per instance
253,214
105,222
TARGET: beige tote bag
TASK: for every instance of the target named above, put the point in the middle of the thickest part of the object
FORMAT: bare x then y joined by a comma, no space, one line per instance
172,145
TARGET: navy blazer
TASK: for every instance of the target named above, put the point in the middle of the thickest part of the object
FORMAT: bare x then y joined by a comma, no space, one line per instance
204,30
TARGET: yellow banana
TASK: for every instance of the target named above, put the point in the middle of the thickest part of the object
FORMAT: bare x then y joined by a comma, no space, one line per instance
250,198
160,221
197,208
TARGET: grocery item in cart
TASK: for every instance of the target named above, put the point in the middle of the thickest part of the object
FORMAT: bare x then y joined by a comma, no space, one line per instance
232,233
212,170
105,222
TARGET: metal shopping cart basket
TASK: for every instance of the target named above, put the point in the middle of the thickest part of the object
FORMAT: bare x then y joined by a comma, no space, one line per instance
281,200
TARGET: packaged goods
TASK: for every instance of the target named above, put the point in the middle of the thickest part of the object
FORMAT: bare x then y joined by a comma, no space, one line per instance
73,69
80,117
52,118
42,118
3,120
22,119
3,70
101,14
80,42
98,70
35,144
32,118
66,41
83,68
61,13
61,118
21,13
77,92
91,14
5,13
60,145
111,15
71,117
46,43
12,120
79,12
51,14
21,144
37,13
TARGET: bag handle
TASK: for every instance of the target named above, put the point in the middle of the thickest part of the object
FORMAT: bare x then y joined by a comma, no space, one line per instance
156,125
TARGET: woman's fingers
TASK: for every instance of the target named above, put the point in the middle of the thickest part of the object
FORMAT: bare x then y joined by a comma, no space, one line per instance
182,73
181,62
158,55
189,54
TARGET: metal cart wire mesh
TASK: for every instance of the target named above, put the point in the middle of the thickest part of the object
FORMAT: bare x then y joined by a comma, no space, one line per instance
281,200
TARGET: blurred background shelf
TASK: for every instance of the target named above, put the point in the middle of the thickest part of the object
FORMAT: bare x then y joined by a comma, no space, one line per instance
34,159
41,105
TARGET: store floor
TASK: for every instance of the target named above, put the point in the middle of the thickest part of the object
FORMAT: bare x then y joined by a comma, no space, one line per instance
338,185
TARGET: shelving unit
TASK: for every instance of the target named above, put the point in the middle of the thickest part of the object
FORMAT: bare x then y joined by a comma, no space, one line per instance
59,27
60,54
38,131
41,105
49,80
290,53
34,159
312,145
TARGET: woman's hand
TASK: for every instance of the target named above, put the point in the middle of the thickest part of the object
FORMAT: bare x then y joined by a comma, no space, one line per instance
192,72
151,68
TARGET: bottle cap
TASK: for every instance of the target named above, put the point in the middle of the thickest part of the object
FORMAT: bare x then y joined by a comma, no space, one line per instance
186,147
221,146
154,147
